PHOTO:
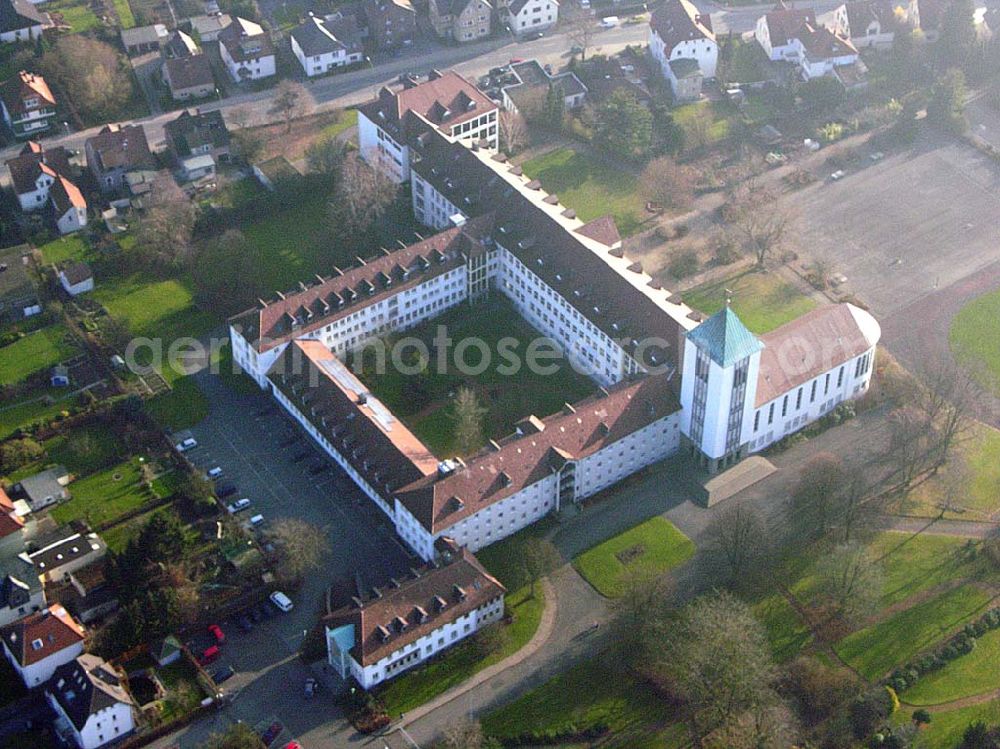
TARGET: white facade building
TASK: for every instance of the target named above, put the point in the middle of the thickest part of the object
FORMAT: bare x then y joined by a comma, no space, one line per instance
793,35
678,31
91,703
38,644
529,16
246,51
319,51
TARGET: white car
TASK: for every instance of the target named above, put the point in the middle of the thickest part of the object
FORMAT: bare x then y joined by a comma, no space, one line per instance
609,22
238,506
838,175
877,156
282,601
189,444
214,473
256,520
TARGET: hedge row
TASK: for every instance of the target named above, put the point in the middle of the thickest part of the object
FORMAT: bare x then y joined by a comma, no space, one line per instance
566,735
960,644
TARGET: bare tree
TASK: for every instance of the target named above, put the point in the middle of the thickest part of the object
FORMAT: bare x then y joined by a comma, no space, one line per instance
539,557
669,184
580,27
908,447
949,405
302,546
852,578
92,73
513,132
466,733
468,415
326,156
637,615
239,117
164,233
492,639
288,101
737,535
815,492
363,195
854,506
758,219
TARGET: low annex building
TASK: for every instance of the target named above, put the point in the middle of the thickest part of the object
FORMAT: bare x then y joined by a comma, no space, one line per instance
398,626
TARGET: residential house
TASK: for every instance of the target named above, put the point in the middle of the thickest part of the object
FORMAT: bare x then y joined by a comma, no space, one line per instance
18,294
93,597
91,703
793,35
76,278
447,100
246,50
11,524
208,27
319,50
64,552
777,31
531,85
461,20
391,23
678,31
43,488
27,104
116,151
21,592
20,21
686,79
381,633
144,39
197,134
38,644
44,177
68,205
526,16
189,77
869,23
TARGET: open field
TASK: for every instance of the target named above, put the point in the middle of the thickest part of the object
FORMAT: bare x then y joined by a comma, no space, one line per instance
650,548
966,676
105,496
424,401
715,122
590,187
38,350
73,247
946,728
763,301
38,408
974,333
876,650
162,309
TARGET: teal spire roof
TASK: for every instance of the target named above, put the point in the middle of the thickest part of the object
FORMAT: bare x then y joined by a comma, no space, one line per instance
725,338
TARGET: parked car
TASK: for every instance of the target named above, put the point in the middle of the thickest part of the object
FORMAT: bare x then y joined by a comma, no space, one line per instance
609,22
838,175
282,601
189,444
877,156
209,655
214,473
223,674
238,506
256,520
225,489
216,631
310,688
271,733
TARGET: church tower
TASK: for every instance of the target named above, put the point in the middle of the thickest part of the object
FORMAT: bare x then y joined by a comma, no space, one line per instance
718,388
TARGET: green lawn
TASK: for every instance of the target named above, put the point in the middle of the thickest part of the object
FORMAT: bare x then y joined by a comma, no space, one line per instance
971,674
105,496
125,15
16,416
590,187
946,728
974,333
876,650
719,127
650,548
424,401
162,309
348,119
976,470
73,247
414,688
38,350
181,408
763,301
85,450
76,13
592,693
786,632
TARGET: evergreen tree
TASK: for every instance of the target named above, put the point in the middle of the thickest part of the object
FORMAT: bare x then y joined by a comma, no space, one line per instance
958,34
554,108
623,126
946,108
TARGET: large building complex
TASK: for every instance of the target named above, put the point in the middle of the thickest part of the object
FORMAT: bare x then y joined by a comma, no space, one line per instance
667,379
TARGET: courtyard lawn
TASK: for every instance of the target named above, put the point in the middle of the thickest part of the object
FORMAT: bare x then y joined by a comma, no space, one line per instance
786,632
763,301
38,350
650,548
589,695
878,649
73,247
976,470
104,497
157,309
946,728
424,401
412,689
75,13
966,676
590,187
974,333
38,408
718,128
85,450
348,119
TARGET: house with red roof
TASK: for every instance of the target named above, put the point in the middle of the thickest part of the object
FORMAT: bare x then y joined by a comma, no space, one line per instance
680,34
43,178
793,35
27,104
38,644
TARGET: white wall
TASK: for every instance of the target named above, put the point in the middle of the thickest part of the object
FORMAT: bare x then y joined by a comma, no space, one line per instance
380,150
73,220
36,674
103,727
536,15
704,51
259,67
38,198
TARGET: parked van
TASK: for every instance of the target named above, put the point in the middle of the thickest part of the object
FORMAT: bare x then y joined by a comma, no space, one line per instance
256,520
282,601
609,22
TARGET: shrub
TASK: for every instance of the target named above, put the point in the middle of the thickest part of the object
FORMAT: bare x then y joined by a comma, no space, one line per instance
921,716
683,265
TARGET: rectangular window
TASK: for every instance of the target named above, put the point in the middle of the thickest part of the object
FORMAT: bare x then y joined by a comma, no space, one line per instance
784,406
840,377
812,391
798,400
770,415
826,386
756,422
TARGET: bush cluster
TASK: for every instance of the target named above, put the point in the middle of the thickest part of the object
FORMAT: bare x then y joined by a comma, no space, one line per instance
960,644
569,734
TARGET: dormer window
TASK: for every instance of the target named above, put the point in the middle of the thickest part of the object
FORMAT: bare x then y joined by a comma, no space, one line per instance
37,644
458,591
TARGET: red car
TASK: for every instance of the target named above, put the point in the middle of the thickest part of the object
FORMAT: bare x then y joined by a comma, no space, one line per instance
211,654
216,631
516,60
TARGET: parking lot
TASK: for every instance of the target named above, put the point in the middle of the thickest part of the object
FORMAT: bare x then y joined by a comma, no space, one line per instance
919,220
272,463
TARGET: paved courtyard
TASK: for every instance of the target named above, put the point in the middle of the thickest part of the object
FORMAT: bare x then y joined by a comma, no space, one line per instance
918,221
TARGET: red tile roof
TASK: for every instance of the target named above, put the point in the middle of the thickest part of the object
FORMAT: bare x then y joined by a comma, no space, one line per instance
26,167
66,195
42,634
784,23
404,612
25,85
812,344
9,521
679,21
603,230
520,460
